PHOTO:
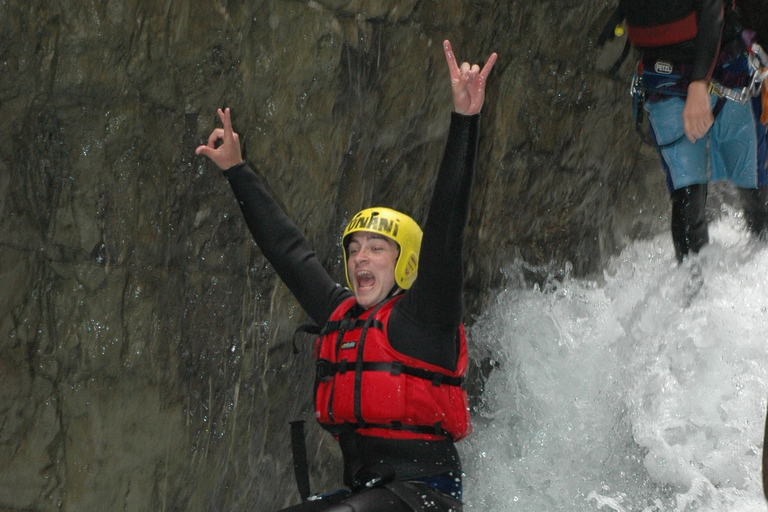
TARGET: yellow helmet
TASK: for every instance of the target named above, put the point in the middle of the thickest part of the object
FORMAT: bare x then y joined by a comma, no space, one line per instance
397,226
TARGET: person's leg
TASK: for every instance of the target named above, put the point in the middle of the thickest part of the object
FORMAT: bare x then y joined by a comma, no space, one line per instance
319,505
403,497
740,154
755,204
689,222
369,500
685,166
755,201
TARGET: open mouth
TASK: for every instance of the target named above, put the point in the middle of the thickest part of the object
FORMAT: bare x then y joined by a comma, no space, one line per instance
365,280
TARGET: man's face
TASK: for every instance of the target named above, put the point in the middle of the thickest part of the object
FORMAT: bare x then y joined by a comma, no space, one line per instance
371,265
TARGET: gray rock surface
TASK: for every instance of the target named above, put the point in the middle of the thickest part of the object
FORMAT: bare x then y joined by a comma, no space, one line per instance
145,344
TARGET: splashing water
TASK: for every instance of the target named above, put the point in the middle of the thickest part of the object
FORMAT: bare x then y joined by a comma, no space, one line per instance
645,391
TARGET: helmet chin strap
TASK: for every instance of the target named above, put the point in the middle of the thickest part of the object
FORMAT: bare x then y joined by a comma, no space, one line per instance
394,291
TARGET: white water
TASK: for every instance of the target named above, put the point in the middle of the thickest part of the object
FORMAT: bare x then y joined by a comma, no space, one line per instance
612,395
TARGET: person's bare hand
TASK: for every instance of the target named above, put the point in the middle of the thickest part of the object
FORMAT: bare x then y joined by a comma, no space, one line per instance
228,153
467,82
697,113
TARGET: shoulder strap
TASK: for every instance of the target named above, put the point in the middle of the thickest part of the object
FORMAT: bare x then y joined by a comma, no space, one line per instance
608,30
306,328
348,324
608,34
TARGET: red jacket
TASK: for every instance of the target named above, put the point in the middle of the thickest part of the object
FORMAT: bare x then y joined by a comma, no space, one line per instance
366,385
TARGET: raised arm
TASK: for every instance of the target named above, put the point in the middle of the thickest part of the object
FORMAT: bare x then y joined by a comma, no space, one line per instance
441,273
431,310
282,243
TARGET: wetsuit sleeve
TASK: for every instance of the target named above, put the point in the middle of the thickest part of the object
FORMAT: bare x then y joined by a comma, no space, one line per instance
710,27
285,246
424,323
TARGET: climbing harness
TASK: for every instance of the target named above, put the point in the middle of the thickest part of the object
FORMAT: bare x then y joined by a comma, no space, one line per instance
758,66
670,81
666,79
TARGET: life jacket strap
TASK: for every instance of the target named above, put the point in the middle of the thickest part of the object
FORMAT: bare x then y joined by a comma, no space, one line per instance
326,369
348,324
434,429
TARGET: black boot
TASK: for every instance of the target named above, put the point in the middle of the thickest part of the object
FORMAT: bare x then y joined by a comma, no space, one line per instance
689,223
755,203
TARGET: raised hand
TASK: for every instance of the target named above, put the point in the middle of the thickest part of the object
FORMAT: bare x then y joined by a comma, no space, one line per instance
467,82
228,154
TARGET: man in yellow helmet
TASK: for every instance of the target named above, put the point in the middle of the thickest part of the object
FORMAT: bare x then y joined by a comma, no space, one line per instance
391,356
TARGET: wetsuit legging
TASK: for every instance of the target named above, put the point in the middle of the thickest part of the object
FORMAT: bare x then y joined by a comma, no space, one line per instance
423,324
407,497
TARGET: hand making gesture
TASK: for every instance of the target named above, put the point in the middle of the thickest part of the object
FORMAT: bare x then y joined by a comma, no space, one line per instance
467,82
228,153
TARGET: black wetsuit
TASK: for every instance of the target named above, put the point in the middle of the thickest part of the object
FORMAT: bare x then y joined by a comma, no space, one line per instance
423,324
702,52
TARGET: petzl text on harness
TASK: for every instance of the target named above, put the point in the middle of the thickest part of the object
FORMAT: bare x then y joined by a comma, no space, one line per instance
653,81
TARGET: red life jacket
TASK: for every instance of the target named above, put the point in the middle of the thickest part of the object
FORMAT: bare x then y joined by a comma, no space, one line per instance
364,384
684,29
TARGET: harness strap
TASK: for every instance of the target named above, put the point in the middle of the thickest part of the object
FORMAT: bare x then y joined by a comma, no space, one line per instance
300,465
624,53
306,328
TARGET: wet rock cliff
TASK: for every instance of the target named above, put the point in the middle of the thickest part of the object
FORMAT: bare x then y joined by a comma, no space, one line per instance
146,350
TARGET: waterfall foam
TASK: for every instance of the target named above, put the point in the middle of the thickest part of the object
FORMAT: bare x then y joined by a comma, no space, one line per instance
627,393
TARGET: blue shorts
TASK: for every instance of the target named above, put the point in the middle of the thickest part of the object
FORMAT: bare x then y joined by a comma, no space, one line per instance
737,152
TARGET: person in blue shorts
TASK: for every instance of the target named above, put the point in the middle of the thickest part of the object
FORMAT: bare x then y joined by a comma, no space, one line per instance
695,75
391,357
